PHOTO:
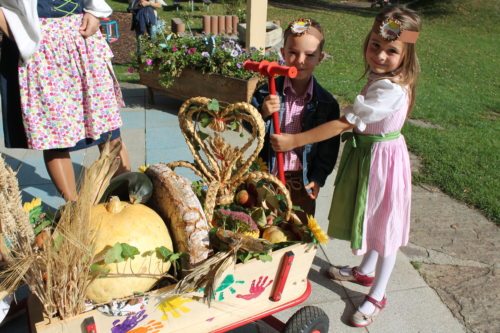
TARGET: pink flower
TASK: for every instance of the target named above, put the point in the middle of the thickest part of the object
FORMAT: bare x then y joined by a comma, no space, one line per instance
174,48
131,70
191,50
149,62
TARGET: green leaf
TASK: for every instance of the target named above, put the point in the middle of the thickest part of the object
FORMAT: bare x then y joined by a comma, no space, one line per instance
259,216
99,269
204,120
202,135
163,253
265,257
42,226
114,254
128,251
58,240
213,105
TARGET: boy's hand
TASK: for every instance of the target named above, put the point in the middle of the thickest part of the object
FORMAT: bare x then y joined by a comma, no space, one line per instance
312,190
89,26
283,142
270,105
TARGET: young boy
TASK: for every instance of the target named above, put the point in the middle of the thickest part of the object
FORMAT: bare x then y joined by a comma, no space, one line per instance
302,104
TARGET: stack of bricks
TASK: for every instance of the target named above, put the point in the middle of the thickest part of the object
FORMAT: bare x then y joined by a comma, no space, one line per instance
220,24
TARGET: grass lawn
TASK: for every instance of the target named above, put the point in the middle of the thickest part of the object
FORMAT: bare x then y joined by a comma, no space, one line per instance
457,92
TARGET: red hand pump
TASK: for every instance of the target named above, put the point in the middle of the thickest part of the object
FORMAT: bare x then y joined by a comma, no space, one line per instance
272,69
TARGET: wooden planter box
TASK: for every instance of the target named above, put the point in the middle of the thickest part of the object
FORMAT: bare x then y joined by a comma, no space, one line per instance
245,298
192,83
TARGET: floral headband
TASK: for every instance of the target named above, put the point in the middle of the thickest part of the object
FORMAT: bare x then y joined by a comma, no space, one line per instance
300,26
391,29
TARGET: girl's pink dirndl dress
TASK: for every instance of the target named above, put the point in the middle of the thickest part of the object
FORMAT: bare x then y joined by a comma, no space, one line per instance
386,202
68,89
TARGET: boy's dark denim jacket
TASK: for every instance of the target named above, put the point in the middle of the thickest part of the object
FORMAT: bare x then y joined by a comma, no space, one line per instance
317,159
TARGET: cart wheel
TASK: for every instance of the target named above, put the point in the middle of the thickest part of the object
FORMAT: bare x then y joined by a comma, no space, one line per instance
309,319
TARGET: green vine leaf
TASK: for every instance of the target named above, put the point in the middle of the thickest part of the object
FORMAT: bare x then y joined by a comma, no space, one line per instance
213,105
114,254
99,270
128,251
265,257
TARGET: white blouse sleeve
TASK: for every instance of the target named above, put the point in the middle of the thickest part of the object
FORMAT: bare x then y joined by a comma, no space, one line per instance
98,8
382,98
22,18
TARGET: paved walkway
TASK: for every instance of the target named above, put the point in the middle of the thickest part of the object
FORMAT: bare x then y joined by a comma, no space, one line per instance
152,135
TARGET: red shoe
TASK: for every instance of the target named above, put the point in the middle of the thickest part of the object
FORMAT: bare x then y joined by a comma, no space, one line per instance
354,276
359,319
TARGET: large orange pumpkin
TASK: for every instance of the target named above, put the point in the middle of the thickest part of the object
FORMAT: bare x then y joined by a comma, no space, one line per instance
136,225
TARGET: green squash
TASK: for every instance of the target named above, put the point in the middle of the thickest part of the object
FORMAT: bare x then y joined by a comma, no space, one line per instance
134,187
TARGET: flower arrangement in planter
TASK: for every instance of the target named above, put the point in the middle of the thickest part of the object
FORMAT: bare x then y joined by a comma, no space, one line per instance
170,54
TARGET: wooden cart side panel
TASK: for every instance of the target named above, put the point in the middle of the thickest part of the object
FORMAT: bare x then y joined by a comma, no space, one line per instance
243,292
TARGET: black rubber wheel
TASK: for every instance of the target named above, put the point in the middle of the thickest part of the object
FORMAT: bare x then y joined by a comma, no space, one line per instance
308,319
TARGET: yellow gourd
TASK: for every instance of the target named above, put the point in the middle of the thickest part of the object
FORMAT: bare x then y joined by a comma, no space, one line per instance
274,234
136,225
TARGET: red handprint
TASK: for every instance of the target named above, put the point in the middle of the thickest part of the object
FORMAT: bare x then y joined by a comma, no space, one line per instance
256,289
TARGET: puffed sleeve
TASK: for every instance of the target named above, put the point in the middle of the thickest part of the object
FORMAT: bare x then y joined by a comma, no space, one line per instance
98,8
22,18
382,98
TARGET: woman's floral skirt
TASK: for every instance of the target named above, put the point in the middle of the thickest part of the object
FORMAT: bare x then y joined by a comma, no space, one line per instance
68,89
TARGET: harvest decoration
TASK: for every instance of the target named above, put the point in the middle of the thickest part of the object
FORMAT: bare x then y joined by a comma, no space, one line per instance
225,166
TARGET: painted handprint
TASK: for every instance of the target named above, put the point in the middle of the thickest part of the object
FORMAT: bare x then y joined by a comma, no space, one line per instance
153,326
173,305
226,284
129,323
256,289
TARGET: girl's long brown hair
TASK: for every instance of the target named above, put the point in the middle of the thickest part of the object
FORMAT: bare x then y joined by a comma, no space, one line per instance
410,67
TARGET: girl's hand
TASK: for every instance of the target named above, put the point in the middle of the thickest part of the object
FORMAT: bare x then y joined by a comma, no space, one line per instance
283,142
90,25
312,190
270,105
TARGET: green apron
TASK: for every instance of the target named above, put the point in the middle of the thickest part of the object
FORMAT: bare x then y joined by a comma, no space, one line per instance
347,211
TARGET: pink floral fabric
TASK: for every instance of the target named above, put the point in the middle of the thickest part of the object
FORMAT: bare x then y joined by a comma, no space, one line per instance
68,88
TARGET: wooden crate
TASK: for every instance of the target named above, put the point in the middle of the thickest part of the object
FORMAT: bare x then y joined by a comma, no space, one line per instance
242,296
192,83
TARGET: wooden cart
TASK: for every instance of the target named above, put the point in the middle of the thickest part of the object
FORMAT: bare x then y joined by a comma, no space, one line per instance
245,293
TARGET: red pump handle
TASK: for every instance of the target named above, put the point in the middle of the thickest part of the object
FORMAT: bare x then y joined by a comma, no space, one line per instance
272,69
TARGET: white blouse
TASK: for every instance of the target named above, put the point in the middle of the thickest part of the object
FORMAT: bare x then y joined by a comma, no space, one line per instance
22,18
382,98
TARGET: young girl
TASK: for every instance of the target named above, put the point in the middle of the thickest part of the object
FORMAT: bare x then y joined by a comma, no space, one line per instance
371,201
58,89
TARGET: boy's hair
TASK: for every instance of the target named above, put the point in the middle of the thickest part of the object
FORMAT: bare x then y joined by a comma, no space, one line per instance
314,24
410,67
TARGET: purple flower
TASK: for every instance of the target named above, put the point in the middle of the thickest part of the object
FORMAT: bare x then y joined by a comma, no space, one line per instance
149,62
205,54
239,65
131,70
234,53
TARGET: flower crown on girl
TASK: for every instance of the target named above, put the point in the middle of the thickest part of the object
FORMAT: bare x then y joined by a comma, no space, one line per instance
392,29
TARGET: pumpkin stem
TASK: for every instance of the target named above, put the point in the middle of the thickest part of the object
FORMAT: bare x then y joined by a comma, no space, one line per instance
114,205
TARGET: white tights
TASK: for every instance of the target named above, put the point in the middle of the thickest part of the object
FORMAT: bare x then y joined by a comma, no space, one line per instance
383,267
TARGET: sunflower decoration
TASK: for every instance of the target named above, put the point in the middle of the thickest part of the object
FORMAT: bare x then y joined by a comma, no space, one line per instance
319,235
143,168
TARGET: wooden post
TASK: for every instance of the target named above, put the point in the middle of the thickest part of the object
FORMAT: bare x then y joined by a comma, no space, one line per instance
256,24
